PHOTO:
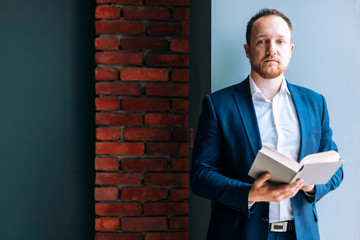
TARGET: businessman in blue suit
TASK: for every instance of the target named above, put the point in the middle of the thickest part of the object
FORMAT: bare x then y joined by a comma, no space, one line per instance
263,110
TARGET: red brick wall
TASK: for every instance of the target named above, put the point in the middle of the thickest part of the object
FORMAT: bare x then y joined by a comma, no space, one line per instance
141,103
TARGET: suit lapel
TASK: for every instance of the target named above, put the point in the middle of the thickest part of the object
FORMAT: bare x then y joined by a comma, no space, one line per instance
243,100
303,117
246,109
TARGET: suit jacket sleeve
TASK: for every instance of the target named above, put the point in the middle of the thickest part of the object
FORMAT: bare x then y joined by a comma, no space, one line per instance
207,159
326,143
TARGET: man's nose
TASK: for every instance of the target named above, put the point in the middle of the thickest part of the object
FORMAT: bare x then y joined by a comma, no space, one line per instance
271,49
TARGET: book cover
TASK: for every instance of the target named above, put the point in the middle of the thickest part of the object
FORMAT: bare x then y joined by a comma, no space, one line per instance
315,168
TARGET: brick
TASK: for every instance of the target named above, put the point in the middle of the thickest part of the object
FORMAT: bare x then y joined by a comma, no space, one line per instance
119,148
143,194
164,29
180,164
106,43
107,178
168,2
118,178
117,236
167,236
179,194
181,14
144,74
144,44
115,58
177,45
167,89
171,148
166,179
121,1
114,88
165,119
117,209
106,164
106,224
118,27
165,208
145,104
146,13
107,11
180,134
106,73
185,30
145,164
179,223
118,119
180,104
158,134
170,60
144,224
180,75
107,104
106,194
108,133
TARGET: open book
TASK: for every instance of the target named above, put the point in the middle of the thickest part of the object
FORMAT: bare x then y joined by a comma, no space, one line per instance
314,169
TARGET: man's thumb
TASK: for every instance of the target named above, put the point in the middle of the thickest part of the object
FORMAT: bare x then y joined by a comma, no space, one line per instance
263,178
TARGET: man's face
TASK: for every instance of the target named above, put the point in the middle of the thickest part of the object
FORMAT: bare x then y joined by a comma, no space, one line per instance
270,46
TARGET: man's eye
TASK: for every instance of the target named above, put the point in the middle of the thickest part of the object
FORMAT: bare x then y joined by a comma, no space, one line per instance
261,42
281,42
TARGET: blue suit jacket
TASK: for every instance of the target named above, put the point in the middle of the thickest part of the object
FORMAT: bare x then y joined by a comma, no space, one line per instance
227,141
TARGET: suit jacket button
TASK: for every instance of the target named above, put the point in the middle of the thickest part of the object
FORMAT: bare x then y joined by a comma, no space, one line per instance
265,219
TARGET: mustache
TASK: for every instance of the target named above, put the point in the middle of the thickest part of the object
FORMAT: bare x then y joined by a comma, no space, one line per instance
270,58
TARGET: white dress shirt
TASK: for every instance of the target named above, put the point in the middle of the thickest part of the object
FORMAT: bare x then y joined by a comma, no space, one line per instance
279,129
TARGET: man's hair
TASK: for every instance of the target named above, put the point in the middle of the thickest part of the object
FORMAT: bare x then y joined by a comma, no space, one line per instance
262,13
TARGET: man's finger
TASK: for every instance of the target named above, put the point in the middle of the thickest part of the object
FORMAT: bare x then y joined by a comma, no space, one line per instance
262,179
298,182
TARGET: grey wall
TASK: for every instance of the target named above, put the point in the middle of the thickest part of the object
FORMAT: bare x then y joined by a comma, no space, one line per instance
325,59
200,84
46,121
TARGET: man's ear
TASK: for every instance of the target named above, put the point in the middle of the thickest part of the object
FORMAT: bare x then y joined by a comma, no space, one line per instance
291,49
247,49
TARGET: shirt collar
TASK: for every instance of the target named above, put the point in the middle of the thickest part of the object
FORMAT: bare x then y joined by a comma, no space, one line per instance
258,95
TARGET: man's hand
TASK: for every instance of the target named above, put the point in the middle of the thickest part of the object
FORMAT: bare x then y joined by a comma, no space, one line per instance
309,189
262,191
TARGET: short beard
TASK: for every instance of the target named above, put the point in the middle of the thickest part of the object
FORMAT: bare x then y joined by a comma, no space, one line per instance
268,72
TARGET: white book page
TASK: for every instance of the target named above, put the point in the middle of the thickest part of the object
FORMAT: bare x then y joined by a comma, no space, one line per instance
329,156
281,158
317,173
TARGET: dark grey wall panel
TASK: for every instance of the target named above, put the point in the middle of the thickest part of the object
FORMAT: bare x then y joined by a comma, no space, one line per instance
47,119
200,84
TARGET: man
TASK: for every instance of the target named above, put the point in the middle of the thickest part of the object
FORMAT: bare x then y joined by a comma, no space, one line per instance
263,110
